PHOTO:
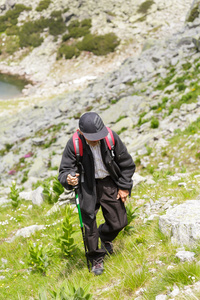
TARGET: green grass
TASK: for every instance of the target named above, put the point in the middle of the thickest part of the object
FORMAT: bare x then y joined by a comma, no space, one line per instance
141,256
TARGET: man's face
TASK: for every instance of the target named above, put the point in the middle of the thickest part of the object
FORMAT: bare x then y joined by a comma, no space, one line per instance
92,143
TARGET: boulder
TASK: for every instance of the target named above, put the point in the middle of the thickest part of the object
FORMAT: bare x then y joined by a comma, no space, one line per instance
35,196
181,223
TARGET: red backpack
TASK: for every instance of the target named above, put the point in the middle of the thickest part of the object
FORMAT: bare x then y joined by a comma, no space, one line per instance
78,146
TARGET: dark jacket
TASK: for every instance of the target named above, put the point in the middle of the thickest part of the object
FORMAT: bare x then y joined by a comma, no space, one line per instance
121,169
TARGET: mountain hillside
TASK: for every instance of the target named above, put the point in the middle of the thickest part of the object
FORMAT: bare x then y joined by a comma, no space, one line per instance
133,22
152,101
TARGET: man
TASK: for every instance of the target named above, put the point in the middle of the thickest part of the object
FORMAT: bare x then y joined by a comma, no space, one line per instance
104,181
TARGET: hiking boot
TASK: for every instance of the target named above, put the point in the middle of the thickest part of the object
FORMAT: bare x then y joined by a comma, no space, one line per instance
97,268
108,246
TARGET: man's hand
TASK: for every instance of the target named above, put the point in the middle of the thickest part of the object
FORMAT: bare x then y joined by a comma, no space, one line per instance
72,180
123,194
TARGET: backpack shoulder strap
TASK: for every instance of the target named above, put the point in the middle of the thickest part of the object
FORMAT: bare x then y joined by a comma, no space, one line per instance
78,145
110,141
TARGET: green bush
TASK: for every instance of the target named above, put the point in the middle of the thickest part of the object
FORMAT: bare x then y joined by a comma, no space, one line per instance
56,14
154,123
13,30
145,6
69,291
12,44
33,40
29,34
44,4
56,26
77,29
3,25
99,45
64,238
39,256
14,195
68,51
11,16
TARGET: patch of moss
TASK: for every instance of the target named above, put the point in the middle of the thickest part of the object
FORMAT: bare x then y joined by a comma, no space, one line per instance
145,6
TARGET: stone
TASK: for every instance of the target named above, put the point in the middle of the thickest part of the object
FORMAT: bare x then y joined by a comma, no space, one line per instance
161,297
26,232
181,223
123,124
185,255
35,196
38,168
137,179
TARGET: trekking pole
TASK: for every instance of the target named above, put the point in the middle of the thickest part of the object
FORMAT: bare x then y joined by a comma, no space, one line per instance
81,222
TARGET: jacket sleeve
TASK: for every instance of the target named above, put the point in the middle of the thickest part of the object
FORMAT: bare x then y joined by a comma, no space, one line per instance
67,165
125,164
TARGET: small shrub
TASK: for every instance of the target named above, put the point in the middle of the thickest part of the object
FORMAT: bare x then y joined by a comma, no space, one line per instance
131,215
194,13
99,45
58,189
12,45
65,240
56,14
33,40
3,24
52,191
44,4
154,123
77,29
56,26
69,291
14,195
145,6
67,51
13,30
39,256
11,16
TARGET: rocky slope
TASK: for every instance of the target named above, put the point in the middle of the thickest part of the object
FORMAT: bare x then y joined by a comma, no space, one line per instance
127,20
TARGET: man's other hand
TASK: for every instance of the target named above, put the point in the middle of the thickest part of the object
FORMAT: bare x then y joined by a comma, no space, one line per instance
123,194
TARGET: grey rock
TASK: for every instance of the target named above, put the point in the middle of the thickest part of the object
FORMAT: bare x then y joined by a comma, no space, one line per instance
35,196
185,255
137,179
161,297
38,168
55,161
4,202
28,231
181,223
38,141
125,123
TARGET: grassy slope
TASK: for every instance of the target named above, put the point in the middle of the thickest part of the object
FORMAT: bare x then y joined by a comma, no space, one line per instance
140,259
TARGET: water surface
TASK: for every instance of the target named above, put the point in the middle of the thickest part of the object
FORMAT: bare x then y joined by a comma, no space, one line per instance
10,87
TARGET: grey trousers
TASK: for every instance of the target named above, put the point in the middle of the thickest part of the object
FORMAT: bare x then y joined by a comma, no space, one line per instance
115,216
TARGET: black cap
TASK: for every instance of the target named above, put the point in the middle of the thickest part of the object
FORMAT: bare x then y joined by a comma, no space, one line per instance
92,126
